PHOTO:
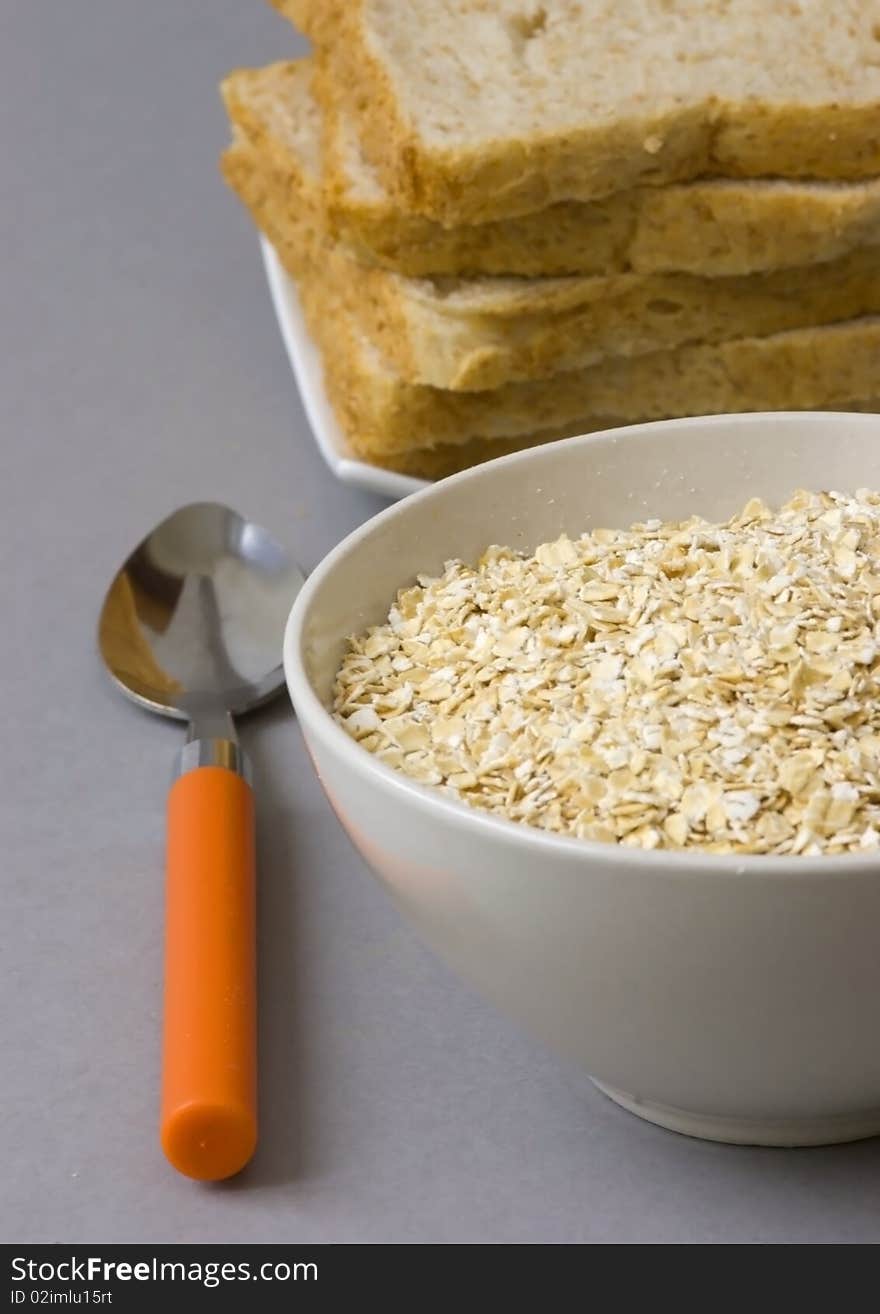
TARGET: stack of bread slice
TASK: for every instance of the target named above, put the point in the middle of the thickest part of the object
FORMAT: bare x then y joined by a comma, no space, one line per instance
511,221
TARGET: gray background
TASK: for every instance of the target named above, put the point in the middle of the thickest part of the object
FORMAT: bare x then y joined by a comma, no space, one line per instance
140,367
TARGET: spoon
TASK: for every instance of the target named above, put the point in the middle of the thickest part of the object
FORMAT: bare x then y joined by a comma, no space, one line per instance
192,627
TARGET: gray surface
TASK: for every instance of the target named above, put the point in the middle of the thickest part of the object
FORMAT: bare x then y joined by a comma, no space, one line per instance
141,368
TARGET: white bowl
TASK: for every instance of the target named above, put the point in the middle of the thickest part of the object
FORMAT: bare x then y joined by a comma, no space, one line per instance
729,997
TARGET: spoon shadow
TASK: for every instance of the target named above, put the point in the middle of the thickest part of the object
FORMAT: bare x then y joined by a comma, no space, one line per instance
287,1097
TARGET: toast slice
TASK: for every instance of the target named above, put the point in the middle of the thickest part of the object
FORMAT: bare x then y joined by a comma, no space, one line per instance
417,429
428,432
471,336
475,111
400,427
385,416
714,228
350,363
804,369
481,334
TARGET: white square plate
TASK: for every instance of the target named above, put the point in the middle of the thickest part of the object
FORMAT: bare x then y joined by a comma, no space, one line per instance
305,361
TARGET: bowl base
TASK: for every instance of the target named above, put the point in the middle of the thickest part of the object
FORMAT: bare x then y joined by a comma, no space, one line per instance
830,1130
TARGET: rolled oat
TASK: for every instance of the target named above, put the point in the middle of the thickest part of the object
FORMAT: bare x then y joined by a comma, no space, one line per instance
670,685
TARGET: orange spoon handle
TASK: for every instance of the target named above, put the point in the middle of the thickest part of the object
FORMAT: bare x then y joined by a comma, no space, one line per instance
209,1076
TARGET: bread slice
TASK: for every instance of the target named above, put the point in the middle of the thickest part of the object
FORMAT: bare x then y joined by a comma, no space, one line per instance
804,369
715,227
475,111
375,409
471,336
349,361
481,334
712,227
428,432
417,430
384,416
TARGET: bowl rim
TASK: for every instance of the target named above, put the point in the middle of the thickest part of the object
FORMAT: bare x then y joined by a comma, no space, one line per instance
316,718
